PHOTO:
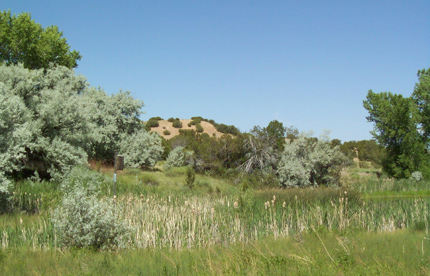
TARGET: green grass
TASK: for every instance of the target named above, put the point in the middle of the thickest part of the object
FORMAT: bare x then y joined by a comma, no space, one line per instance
374,187
369,227
399,253
137,182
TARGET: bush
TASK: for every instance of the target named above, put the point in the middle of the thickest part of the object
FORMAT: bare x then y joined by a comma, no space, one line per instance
141,149
84,221
199,128
195,121
177,124
84,178
158,118
227,129
152,123
166,132
309,162
176,158
190,177
416,176
171,119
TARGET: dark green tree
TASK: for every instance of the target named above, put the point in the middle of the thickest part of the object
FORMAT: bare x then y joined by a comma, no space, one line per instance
22,40
396,121
421,97
276,131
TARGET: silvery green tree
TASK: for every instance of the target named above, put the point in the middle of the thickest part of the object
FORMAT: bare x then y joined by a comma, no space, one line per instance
309,162
178,157
82,220
22,40
44,120
114,118
141,149
51,120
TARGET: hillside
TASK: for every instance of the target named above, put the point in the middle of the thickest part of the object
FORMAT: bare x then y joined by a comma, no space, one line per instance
166,125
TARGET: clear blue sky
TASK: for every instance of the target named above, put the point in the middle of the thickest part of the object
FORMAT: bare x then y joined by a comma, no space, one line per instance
305,63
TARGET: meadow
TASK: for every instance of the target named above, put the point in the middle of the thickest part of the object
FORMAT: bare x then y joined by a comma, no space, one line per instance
370,226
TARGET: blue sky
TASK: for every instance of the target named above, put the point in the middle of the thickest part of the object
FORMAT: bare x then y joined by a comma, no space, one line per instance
308,64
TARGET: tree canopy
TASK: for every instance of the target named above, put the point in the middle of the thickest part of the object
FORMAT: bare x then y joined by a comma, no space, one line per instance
401,126
22,40
52,120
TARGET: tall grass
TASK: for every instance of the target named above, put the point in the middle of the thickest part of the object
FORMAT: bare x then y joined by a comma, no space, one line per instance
184,220
399,253
373,186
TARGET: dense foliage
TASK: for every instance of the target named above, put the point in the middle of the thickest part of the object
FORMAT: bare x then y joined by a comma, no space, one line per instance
51,120
24,41
305,162
364,150
401,127
84,221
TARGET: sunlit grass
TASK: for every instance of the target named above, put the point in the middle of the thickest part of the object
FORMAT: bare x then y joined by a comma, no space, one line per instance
356,253
216,228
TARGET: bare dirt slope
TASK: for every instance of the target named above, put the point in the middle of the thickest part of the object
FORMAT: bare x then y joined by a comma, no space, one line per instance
166,125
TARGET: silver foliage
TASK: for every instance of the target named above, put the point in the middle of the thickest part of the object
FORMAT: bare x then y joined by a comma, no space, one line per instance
306,162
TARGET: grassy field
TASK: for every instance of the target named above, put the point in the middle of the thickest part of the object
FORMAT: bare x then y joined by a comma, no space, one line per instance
371,226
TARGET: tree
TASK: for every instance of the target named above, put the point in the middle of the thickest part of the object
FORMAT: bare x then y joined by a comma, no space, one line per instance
421,97
44,121
276,131
260,151
51,121
396,121
368,150
310,162
22,40
176,158
141,149
264,146
112,118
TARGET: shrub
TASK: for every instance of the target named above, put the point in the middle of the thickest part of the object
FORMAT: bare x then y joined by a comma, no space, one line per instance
416,176
177,124
152,123
166,132
306,162
158,118
84,221
227,129
141,149
195,121
199,128
176,158
84,178
171,119
190,177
